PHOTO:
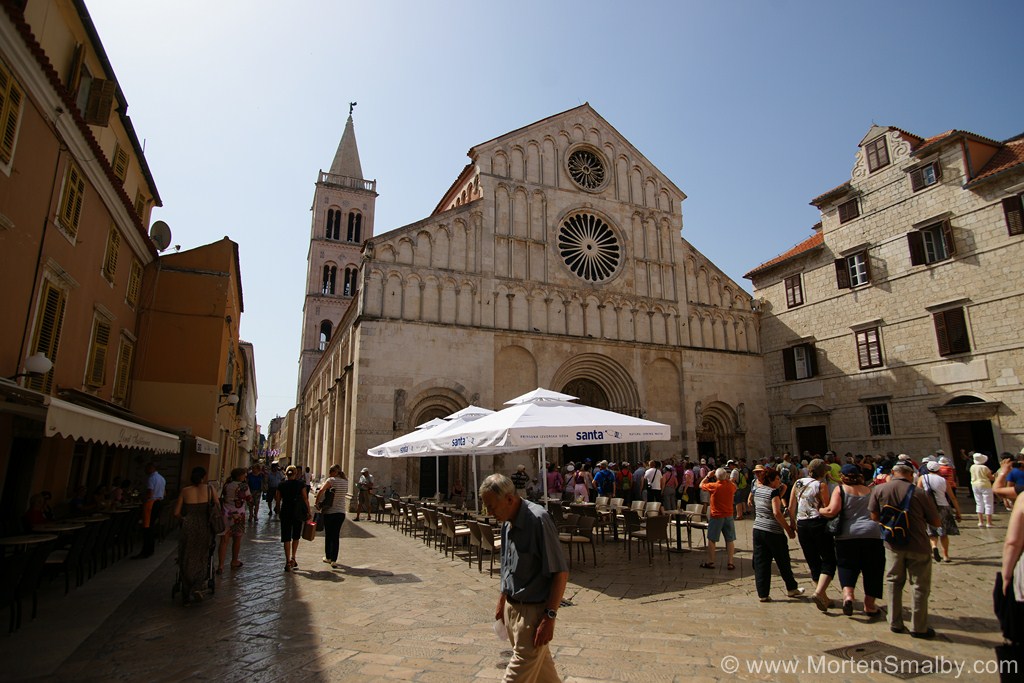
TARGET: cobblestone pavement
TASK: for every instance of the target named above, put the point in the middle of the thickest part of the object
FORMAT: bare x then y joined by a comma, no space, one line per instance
400,610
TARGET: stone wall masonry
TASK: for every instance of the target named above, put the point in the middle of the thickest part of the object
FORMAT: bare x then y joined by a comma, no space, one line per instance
901,298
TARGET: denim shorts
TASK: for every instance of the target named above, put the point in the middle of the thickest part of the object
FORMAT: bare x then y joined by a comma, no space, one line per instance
721,525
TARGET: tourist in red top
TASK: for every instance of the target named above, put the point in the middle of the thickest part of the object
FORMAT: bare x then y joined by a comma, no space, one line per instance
720,519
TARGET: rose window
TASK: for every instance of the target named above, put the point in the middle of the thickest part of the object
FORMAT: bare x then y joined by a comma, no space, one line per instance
586,169
589,247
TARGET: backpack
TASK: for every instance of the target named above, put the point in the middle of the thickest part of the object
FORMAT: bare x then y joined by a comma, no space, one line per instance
742,483
895,521
786,474
627,481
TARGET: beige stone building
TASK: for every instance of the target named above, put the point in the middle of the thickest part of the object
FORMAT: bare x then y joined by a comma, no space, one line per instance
554,260
896,325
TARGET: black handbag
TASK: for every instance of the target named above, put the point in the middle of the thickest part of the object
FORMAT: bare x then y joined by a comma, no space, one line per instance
835,525
327,501
217,526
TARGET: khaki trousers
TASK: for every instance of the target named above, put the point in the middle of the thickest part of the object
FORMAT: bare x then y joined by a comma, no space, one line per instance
529,664
900,566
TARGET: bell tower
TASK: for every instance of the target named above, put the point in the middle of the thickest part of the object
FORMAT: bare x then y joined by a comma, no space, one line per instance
343,206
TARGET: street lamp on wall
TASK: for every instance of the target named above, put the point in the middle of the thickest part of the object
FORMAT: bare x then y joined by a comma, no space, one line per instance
231,399
36,364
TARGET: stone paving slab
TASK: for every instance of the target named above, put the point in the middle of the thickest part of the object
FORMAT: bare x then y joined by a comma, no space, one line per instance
629,620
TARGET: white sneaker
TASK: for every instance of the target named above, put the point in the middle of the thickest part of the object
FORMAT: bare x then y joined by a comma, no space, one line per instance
796,592
980,525
325,560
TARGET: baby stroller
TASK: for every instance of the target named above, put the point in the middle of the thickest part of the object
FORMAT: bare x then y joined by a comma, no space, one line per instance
211,583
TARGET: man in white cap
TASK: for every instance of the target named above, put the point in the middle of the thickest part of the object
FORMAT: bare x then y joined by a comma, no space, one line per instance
949,510
365,485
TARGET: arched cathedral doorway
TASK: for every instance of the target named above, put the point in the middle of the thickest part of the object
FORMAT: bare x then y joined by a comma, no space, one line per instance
430,468
589,393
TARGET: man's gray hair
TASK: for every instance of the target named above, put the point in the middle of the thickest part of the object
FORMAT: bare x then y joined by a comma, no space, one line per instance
902,468
498,484
721,474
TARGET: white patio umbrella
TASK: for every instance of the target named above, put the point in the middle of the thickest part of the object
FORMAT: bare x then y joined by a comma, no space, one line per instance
415,444
543,418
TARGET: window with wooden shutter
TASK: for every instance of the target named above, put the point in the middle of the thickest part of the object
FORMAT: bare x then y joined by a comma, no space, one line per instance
70,212
877,154
842,273
46,339
794,291
123,371
134,284
120,163
100,102
1013,207
878,419
110,258
849,210
951,332
799,362
97,368
869,349
11,98
925,176
931,243
788,364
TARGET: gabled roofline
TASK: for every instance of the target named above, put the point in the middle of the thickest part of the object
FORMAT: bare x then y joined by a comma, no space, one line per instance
466,173
812,243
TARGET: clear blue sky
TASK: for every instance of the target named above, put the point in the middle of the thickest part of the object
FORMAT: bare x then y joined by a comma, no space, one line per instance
751,108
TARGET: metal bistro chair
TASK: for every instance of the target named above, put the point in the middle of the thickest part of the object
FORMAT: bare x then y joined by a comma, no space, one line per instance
580,537
656,530
489,543
695,520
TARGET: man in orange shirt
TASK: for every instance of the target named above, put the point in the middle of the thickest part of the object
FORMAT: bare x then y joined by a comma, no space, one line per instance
720,518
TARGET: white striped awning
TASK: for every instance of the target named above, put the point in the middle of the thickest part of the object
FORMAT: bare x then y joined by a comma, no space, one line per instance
73,421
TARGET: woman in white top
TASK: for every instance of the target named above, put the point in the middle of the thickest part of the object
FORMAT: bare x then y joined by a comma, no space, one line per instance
809,495
334,514
981,485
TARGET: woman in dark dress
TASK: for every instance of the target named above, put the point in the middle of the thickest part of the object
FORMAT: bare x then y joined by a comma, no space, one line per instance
196,541
293,502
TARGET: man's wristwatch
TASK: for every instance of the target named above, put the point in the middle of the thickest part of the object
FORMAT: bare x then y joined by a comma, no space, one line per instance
550,613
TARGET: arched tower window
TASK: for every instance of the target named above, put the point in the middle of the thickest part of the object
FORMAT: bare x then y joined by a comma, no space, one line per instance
350,281
333,224
325,334
355,227
330,279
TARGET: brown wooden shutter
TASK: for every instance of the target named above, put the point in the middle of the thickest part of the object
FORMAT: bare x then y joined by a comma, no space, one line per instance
47,338
98,357
956,331
849,210
947,237
1013,207
938,170
940,333
101,102
917,179
124,365
842,273
75,75
867,266
788,364
916,242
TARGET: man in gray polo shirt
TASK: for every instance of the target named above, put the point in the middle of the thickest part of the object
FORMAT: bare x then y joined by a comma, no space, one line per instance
533,577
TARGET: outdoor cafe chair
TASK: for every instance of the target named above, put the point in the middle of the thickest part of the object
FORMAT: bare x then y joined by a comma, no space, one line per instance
695,520
475,542
569,522
382,507
580,537
452,533
631,522
556,511
652,507
489,543
431,527
656,530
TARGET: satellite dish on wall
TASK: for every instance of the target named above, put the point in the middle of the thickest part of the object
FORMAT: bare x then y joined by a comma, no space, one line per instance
160,233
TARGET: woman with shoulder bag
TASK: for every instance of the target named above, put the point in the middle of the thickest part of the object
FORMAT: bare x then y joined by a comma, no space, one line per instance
331,500
859,547
234,499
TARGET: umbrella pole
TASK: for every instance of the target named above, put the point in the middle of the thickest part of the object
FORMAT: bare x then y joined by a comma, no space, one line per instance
437,478
544,475
476,487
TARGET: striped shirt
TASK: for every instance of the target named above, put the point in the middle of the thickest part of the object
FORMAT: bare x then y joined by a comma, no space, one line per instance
340,503
764,518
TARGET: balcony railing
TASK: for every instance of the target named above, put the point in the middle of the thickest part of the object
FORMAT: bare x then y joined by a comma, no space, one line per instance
347,181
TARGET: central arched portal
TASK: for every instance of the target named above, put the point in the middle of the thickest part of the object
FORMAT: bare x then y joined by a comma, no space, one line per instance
589,393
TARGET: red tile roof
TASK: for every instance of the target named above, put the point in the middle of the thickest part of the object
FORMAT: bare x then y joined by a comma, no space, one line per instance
837,190
1009,157
813,242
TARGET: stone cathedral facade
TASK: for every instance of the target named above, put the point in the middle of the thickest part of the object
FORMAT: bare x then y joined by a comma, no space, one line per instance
554,260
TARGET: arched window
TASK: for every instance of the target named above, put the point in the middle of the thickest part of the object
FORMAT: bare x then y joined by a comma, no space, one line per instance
350,281
333,224
330,278
325,334
355,226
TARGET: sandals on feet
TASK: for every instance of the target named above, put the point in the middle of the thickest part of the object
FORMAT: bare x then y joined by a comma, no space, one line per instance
236,565
730,566
707,565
